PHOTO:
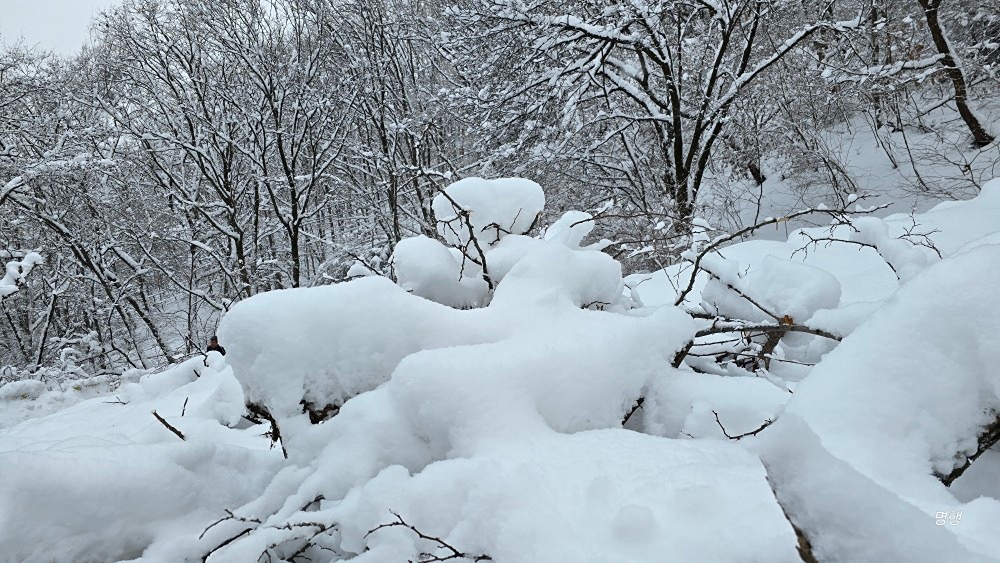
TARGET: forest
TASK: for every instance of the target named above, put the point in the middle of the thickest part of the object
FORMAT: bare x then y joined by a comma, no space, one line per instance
546,281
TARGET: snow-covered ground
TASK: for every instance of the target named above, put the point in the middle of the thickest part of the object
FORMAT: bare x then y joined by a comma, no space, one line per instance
907,169
471,417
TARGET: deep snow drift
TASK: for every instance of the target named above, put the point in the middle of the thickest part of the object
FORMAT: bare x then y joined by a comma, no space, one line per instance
474,408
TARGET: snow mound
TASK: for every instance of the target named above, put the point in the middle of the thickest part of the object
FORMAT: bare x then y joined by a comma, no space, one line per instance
905,396
318,347
554,272
495,208
513,448
500,211
103,480
845,514
571,228
592,497
927,390
428,269
683,404
781,287
324,345
26,389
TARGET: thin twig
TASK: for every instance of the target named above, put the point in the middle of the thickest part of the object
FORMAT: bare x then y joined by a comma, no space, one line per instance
168,425
767,423
453,553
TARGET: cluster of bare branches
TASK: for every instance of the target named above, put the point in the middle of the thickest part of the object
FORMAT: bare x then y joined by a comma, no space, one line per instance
450,552
293,541
752,345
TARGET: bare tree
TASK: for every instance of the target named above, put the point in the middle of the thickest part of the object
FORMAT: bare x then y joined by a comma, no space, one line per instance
666,75
954,69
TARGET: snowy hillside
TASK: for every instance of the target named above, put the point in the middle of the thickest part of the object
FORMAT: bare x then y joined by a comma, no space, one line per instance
512,398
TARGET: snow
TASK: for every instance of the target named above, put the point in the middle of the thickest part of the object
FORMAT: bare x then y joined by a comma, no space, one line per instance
427,268
358,269
327,344
846,515
465,275
511,447
102,480
864,275
594,496
16,272
937,331
571,228
555,272
905,259
781,287
683,405
900,409
23,399
22,390
492,418
494,207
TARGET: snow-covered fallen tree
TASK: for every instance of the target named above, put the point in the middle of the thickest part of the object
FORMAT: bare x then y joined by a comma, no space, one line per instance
514,398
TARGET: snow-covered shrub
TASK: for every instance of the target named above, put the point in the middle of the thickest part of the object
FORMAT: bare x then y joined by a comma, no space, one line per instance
898,406
116,481
24,389
484,444
322,345
553,272
905,395
318,347
427,268
500,212
497,431
492,208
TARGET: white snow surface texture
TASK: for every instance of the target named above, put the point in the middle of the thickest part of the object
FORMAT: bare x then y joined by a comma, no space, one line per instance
496,430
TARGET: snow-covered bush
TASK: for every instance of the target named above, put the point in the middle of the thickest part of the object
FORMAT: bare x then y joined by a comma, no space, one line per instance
115,480
320,346
486,222
776,287
427,268
896,412
369,325
24,389
486,210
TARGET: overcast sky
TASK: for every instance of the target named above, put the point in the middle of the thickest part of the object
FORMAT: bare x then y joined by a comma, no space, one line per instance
56,25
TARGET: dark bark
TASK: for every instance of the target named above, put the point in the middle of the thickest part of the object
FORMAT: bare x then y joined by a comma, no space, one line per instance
931,14
758,175
989,437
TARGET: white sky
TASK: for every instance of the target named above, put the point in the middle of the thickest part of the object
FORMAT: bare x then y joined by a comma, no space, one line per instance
56,25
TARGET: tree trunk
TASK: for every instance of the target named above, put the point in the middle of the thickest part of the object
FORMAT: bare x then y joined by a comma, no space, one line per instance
758,175
954,71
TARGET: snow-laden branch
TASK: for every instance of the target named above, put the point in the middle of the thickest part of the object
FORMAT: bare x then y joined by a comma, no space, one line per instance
780,51
16,273
10,187
884,71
